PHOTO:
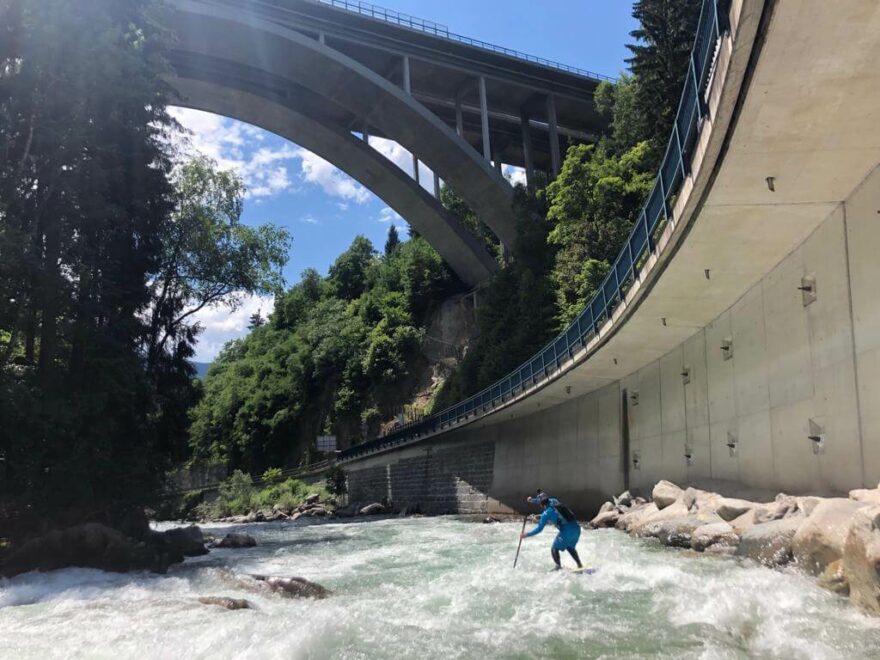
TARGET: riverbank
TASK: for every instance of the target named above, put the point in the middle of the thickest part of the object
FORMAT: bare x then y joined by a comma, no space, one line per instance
836,540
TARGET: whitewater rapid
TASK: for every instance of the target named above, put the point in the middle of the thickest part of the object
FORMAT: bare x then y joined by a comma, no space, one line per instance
434,588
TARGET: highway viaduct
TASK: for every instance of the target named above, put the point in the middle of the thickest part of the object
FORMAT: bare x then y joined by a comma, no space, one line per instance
331,74
737,338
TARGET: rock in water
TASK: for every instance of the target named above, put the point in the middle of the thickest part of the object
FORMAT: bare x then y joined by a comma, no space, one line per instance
861,559
834,578
235,540
821,539
665,493
636,516
227,602
90,545
769,543
372,509
605,519
293,587
719,534
188,540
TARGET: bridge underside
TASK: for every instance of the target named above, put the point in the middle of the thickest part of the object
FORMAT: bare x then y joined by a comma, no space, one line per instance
318,74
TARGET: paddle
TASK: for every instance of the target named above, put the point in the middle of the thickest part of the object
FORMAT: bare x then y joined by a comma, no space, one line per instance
520,541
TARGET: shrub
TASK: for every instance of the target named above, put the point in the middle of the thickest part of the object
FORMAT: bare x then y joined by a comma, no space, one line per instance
272,475
335,481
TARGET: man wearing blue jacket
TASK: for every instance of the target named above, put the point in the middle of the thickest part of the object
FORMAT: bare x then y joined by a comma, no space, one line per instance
565,521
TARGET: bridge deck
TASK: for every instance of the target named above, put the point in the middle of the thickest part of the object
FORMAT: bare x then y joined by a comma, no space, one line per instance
445,72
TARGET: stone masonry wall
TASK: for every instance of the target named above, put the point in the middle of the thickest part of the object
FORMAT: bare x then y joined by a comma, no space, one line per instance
437,480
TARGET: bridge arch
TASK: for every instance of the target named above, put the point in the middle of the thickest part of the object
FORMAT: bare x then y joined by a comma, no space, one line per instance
246,100
312,83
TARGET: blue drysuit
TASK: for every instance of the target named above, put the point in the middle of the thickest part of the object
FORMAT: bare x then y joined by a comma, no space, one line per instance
569,532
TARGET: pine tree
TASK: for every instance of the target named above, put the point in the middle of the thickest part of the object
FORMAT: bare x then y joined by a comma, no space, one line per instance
392,242
664,37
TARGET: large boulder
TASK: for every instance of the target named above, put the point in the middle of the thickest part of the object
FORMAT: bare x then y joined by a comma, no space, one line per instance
635,516
867,495
769,543
293,587
237,540
315,511
649,525
226,602
730,508
861,559
834,578
718,534
605,519
189,541
677,532
665,493
312,498
783,507
821,539
625,499
90,545
372,509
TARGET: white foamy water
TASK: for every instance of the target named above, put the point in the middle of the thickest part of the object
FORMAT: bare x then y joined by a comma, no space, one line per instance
435,588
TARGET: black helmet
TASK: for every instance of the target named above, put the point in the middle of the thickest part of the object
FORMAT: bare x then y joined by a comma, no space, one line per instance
545,501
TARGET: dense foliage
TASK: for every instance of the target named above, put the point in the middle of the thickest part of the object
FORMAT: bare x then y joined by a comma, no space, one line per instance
338,355
103,244
659,63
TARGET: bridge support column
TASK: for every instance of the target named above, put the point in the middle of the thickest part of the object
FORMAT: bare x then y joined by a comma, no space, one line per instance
459,116
407,87
436,185
528,150
555,156
484,116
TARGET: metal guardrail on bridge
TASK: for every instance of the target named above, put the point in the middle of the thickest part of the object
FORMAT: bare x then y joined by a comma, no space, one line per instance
639,246
438,30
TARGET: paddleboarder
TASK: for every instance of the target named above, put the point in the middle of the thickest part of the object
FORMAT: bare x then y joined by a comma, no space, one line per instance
569,530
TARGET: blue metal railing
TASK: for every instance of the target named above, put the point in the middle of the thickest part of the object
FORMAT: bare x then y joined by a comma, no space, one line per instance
655,214
442,31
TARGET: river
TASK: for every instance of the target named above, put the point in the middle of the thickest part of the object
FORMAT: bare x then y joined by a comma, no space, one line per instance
435,588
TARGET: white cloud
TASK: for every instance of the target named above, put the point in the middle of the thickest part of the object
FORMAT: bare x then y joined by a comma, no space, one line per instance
237,146
220,325
309,220
404,160
516,175
318,171
389,215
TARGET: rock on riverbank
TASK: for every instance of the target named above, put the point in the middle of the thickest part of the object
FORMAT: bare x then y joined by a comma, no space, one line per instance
836,539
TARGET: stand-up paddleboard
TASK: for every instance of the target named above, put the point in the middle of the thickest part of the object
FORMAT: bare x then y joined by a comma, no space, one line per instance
586,570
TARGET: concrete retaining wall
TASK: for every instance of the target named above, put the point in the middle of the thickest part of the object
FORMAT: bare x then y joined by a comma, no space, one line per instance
796,368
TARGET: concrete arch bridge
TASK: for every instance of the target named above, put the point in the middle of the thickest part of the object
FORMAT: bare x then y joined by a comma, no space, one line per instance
328,74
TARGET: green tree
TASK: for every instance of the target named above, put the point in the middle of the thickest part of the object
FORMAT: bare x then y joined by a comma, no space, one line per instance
85,197
348,274
618,102
659,62
593,204
392,241
208,257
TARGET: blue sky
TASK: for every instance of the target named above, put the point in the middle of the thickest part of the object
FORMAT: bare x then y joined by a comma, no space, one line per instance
324,209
